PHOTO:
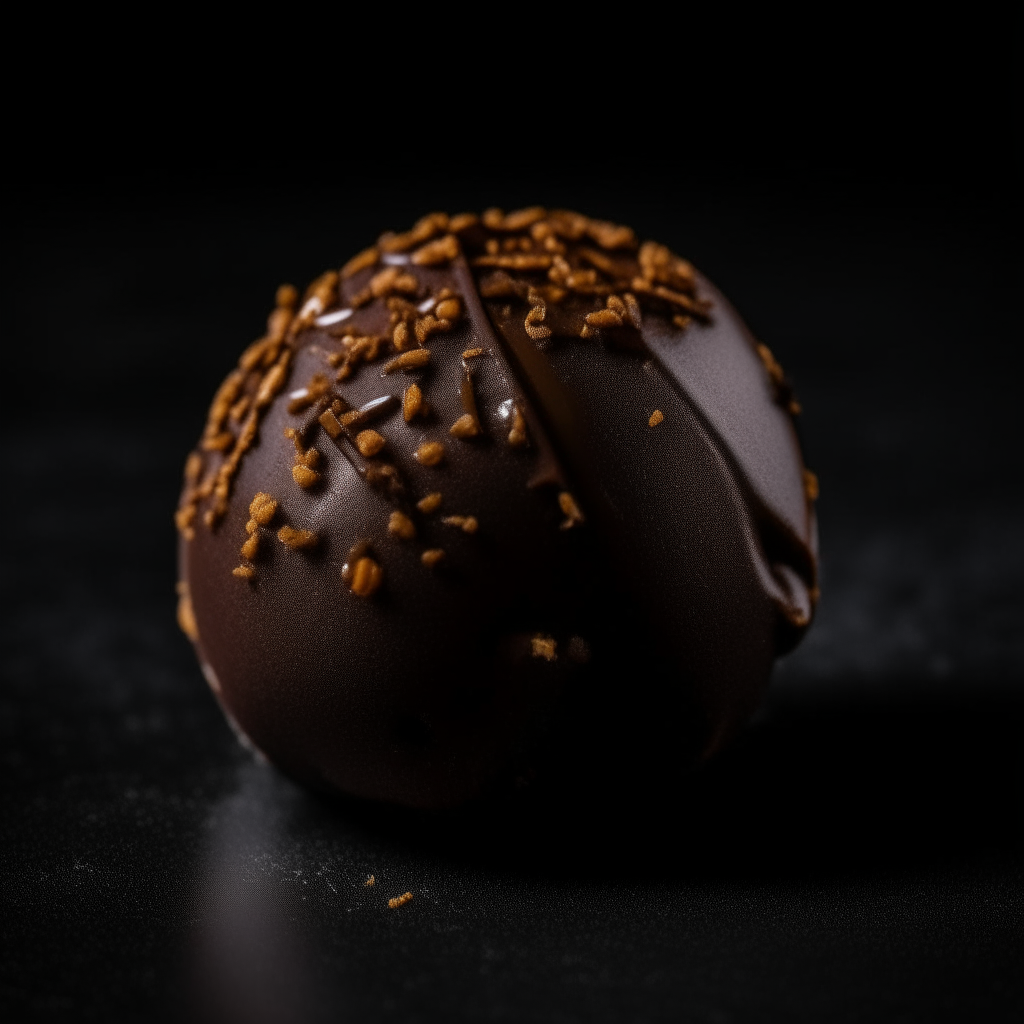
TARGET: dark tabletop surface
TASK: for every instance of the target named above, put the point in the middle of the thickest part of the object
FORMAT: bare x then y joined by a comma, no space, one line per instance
859,855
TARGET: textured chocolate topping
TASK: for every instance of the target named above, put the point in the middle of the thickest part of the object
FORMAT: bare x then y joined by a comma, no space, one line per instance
501,486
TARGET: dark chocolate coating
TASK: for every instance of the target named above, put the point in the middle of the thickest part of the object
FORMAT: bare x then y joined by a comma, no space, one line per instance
694,566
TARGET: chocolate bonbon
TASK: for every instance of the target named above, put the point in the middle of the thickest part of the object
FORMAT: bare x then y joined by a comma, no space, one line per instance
503,494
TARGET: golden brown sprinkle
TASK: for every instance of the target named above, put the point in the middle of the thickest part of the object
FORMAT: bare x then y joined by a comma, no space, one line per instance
430,503
252,526
432,556
514,261
406,284
427,325
659,264
598,259
534,328
239,409
293,435
319,295
681,321
350,417
400,337
399,901
355,552
273,381
499,285
443,250
811,485
287,296
330,423
356,350
369,442
219,442
367,258
400,525
315,390
461,221
613,302
401,309
611,236
656,417
408,360
367,576
370,881
472,353
262,508
265,348
569,225
386,282
306,460
573,515
244,572
465,426
304,476
323,288
251,547
518,220
430,453
771,364
544,647
467,524
517,435
448,309
604,318
277,330
186,616
426,227
632,309
560,270
583,282
494,218
541,231
694,306
412,402
194,467
184,518
297,540
225,397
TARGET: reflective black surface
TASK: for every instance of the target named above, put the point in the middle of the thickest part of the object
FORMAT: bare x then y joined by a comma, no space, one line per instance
859,856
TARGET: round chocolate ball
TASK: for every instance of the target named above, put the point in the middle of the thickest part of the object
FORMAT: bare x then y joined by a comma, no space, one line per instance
506,497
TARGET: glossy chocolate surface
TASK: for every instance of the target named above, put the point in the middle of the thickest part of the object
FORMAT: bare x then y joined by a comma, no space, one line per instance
612,593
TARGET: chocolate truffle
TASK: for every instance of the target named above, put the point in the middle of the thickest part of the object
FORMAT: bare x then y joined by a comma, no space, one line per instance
504,497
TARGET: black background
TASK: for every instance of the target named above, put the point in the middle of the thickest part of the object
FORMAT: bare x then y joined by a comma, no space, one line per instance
859,855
